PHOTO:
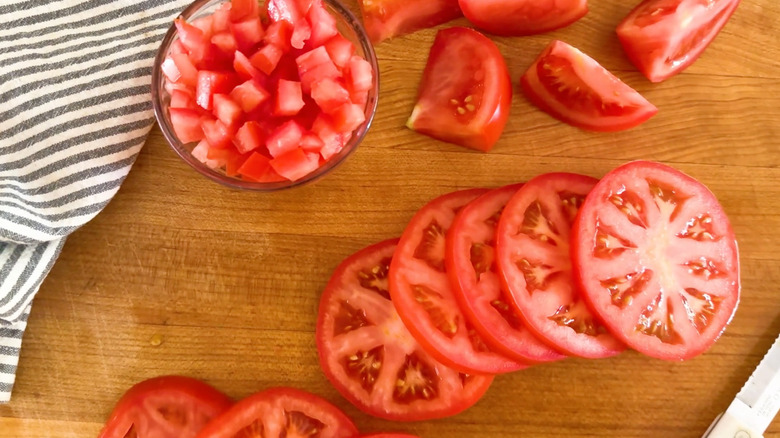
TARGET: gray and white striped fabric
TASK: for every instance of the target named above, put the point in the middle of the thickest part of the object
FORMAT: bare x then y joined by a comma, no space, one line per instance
75,110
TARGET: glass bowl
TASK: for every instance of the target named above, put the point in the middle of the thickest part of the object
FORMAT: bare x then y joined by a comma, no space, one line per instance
350,27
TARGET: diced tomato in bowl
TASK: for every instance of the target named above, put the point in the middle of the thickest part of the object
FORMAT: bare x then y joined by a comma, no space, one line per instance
267,96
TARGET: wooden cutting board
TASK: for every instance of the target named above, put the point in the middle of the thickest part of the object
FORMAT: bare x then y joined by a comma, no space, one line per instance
229,281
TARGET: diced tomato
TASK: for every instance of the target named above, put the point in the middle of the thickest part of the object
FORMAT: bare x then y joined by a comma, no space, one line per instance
333,141
249,137
242,9
200,153
258,168
285,138
244,67
323,24
348,117
312,143
170,70
205,24
211,83
194,40
329,94
295,164
340,50
249,95
189,74
267,58
248,33
279,34
289,98
221,16
232,158
360,74
217,133
182,99
186,124
301,34
226,110
385,19
225,41
315,65
359,98
283,10
177,47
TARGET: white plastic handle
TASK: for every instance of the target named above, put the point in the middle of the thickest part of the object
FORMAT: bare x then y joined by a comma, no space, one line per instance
728,424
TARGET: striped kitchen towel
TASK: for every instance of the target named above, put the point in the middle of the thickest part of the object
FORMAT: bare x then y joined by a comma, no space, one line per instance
75,110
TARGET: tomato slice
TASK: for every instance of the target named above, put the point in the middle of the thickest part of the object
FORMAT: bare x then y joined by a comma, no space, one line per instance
532,253
574,88
664,37
371,358
424,297
385,19
165,407
522,17
465,92
281,412
470,261
657,260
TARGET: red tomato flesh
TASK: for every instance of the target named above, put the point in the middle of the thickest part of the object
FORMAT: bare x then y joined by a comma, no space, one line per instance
657,260
370,357
532,254
385,19
471,266
663,37
465,92
522,17
574,88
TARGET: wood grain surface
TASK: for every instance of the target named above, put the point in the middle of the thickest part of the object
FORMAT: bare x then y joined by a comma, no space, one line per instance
230,281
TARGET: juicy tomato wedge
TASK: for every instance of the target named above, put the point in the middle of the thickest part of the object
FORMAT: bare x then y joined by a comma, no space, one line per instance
279,413
165,407
423,295
664,37
657,260
385,19
470,261
574,88
371,358
465,92
522,17
533,257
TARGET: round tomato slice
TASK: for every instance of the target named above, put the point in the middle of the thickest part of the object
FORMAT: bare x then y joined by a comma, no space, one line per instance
280,413
533,258
470,261
424,296
165,407
664,37
574,88
657,260
465,92
523,17
371,358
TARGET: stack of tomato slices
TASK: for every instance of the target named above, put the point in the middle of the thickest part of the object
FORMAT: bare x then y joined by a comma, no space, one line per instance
266,102
184,407
484,282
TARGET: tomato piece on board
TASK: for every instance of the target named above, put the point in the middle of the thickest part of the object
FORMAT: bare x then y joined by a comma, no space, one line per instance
165,407
385,19
532,255
574,88
282,412
470,262
423,295
522,17
657,260
664,37
465,92
370,357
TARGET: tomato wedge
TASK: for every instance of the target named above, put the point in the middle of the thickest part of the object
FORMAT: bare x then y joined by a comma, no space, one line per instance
423,295
371,358
470,261
465,92
533,258
523,17
386,19
574,88
657,260
281,412
165,407
664,37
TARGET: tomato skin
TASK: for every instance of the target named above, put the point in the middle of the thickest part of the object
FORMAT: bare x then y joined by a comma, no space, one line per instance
467,113
386,19
265,406
522,17
129,407
653,44
602,102
719,277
